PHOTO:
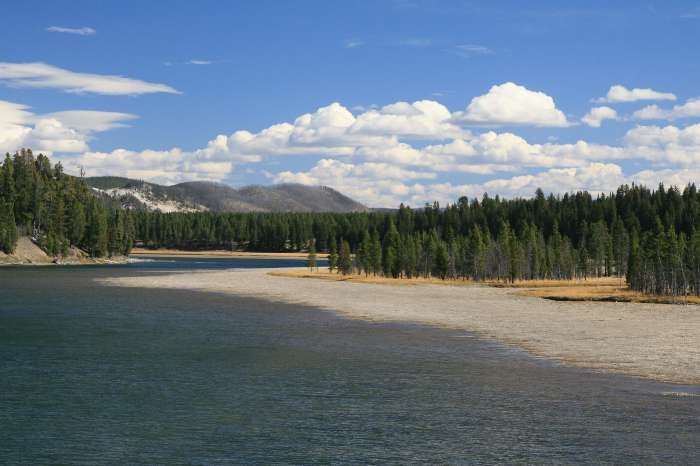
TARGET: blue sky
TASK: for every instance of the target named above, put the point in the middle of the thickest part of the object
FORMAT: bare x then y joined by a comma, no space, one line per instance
191,71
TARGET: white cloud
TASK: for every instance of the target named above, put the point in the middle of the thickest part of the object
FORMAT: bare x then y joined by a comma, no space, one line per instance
421,119
597,115
653,112
400,152
41,75
13,114
199,62
89,121
595,178
509,104
67,131
669,145
619,93
511,150
167,167
84,31
669,177
375,184
472,50
353,43
377,163
41,134
378,187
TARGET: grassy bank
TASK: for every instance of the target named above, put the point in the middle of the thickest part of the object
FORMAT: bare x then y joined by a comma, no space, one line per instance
605,289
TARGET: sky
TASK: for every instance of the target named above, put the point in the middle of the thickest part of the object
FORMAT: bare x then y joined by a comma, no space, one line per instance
387,101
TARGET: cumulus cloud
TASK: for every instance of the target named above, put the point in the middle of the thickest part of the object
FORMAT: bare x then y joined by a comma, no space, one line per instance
376,184
67,131
509,104
510,150
597,115
401,152
42,134
380,188
619,94
421,119
668,145
167,166
595,177
83,31
653,112
42,75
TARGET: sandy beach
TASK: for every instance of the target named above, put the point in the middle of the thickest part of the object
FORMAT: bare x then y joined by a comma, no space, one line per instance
657,341
218,254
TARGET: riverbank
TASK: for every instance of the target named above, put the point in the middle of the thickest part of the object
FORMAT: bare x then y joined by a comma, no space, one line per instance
654,341
604,289
214,254
28,253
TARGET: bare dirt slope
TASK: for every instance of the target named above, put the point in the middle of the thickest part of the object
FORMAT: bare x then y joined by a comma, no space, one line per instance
26,252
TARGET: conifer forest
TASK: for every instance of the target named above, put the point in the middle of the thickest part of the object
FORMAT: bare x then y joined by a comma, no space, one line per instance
648,237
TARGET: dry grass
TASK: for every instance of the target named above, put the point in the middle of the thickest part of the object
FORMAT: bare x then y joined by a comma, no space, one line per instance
222,253
608,289
603,292
324,274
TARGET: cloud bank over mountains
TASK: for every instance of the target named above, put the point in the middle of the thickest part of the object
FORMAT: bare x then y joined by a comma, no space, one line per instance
412,152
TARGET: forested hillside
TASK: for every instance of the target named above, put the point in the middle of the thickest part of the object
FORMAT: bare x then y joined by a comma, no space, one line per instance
57,210
647,236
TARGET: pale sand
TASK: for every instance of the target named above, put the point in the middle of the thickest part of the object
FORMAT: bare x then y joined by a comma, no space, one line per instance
218,254
655,341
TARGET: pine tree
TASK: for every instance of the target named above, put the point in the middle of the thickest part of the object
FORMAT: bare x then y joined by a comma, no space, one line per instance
76,223
345,258
332,255
391,265
7,181
620,248
97,230
440,265
376,255
311,257
365,253
8,230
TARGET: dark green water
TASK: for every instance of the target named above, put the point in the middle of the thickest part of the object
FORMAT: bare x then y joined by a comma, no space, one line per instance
102,375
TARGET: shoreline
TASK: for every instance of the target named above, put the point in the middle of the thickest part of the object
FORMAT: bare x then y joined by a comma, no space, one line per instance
602,289
653,341
27,253
218,254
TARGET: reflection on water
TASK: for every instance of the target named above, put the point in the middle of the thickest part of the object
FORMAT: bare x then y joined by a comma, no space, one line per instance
96,374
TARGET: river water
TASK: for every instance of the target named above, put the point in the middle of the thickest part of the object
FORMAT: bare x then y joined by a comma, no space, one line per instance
91,374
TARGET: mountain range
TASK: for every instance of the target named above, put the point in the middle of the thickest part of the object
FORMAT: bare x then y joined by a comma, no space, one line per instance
201,196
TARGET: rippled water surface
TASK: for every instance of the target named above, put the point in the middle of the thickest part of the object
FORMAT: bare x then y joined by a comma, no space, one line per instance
95,375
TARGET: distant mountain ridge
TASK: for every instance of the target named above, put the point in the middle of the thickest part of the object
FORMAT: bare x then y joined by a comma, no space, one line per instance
201,196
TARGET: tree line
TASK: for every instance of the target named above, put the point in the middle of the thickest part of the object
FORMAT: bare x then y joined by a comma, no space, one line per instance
648,236
57,210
